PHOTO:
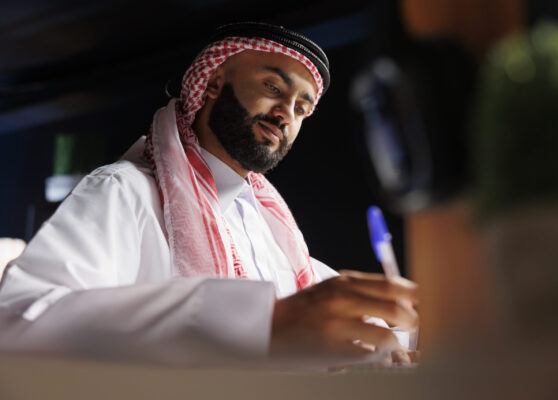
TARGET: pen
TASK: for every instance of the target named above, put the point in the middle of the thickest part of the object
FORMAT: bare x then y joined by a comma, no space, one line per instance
381,242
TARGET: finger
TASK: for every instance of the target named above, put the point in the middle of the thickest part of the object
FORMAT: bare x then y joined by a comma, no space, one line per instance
357,305
401,357
341,346
379,286
376,276
362,335
386,361
396,285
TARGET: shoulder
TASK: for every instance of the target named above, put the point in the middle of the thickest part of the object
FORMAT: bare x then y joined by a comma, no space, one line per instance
123,181
132,172
124,171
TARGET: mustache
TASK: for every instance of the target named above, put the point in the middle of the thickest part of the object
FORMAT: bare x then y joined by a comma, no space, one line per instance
270,120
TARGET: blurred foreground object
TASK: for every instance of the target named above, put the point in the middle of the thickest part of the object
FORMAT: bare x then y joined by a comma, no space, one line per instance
10,249
515,127
414,109
427,108
476,23
515,148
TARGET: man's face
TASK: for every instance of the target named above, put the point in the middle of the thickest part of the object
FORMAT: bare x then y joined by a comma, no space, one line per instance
260,108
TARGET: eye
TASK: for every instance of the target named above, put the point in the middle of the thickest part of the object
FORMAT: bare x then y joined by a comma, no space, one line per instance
300,110
271,87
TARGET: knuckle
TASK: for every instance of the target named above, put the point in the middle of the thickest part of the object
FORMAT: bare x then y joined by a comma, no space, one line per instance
391,289
343,278
395,311
336,292
385,287
328,297
387,338
335,301
340,282
330,285
329,325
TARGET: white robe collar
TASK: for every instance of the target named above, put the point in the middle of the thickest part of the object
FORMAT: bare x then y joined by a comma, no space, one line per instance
229,184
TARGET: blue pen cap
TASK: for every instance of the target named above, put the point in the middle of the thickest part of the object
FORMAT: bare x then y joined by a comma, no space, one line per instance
377,228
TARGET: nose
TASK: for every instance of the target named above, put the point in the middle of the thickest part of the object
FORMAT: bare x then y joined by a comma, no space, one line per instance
284,111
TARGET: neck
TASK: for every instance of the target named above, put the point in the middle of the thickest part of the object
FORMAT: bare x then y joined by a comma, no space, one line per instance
209,141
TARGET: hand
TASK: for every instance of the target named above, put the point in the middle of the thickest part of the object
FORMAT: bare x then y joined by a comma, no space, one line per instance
405,357
329,317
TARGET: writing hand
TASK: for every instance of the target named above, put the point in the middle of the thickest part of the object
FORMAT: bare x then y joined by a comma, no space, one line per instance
329,317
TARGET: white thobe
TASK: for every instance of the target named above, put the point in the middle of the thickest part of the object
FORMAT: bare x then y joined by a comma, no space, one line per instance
97,278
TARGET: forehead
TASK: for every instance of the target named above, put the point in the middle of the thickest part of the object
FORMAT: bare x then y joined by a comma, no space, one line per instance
251,61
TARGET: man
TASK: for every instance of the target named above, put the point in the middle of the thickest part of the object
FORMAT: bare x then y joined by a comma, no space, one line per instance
133,262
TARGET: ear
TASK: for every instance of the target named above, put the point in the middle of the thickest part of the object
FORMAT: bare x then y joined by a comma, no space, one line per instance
215,83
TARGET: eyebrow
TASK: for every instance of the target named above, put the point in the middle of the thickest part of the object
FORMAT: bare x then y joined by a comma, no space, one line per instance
287,79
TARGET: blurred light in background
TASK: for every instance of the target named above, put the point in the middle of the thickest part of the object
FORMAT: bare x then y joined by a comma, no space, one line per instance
9,249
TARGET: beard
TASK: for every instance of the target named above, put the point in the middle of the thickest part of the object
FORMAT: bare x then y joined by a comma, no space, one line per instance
234,128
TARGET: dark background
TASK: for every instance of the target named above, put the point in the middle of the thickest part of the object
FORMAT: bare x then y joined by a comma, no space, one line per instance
100,68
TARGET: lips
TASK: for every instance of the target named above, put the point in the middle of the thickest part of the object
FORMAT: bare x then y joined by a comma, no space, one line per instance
271,132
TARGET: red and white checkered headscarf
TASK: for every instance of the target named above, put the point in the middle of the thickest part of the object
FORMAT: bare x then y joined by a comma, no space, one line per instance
199,238
195,79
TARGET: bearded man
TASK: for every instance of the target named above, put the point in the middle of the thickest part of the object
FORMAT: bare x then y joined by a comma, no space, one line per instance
182,252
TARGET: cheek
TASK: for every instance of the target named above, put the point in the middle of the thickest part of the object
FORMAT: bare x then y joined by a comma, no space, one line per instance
262,105
251,99
293,132
255,106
